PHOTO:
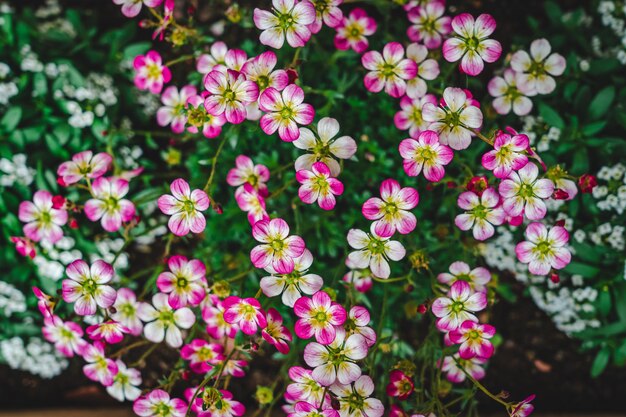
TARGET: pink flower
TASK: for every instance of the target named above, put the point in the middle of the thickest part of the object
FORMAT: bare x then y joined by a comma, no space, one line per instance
304,387
222,406
391,211
168,18
84,165
24,246
323,146
202,355
185,282
157,403
276,333
410,116
477,278
43,223
185,206
455,118
288,19
277,248
318,316
429,25
507,94
481,213
361,279
131,8
536,70
400,385
111,331
246,171
507,154
523,193
86,286
249,200
67,336
199,119
99,368
389,70
125,383
319,185
245,312
458,306
150,73
45,303
285,110
544,249
126,308
261,70
354,399
230,93
353,30
213,316
108,203
173,110
471,43
524,408
163,322
305,409
357,323
427,69
454,372
474,339
373,251
328,12
337,361
294,284
427,154
216,58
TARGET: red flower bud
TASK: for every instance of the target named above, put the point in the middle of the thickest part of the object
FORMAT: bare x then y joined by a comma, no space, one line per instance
185,375
430,186
422,309
560,194
451,184
560,223
58,202
554,277
293,75
61,182
217,207
478,184
586,182
73,224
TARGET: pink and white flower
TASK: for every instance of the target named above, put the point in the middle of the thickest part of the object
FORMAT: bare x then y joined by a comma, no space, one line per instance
328,12
125,311
213,316
458,306
358,323
391,211
352,31
125,383
507,154
157,403
425,154
260,69
277,248
400,385
374,251
43,223
306,409
99,368
389,70
163,322
477,278
185,282
474,339
230,93
361,279
318,316
319,185
215,59
246,171
173,110
185,206
507,94
84,165
110,331
150,73
24,246
67,336
481,213
86,286
337,361
427,70
354,399
294,284
244,312
455,372
471,43
410,115
45,303
536,70
198,119
108,203
288,19
131,8
429,25
250,200
202,355
276,333
544,249
284,111
523,408
304,387
323,146
523,193
454,119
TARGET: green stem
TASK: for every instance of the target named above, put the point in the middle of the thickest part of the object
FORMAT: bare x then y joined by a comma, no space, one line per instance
481,386
209,182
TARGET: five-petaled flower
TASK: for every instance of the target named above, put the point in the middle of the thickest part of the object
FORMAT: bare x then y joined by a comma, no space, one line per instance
108,203
289,19
87,287
535,71
328,12
163,322
318,316
373,251
157,403
260,69
455,368
84,165
43,222
125,311
173,110
246,171
425,154
185,282
125,386
319,185
477,278
458,306
99,368
67,336
185,208
400,385
284,111
245,312
524,193
544,249
429,25
481,213
230,93
202,355
507,154
389,70
474,339
391,211
354,399
507,94
110,331
150,73
410,115
277,248
131,8
352,31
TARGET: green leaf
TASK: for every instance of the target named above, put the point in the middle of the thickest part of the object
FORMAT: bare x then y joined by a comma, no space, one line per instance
619,292
593,128
585,270
600,362
601,103
11,119
551,116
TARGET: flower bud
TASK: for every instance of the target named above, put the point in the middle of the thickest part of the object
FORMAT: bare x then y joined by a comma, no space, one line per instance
221,288
587,182
478,184
263,395
554,277
73,224
58,202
